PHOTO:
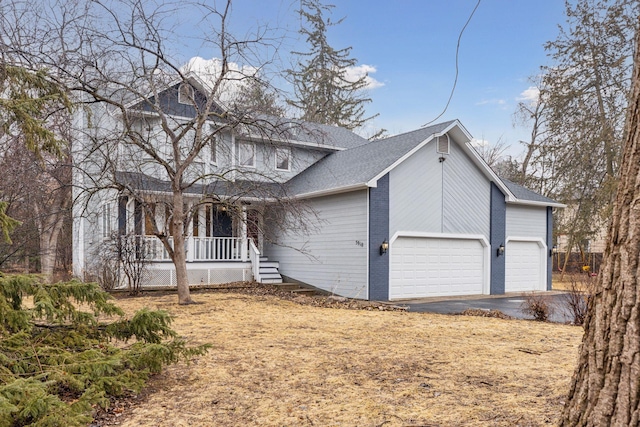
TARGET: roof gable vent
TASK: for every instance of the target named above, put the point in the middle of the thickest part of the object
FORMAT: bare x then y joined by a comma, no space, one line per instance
442,144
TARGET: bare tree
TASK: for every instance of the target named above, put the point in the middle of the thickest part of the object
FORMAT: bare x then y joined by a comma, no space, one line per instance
144,119
604,389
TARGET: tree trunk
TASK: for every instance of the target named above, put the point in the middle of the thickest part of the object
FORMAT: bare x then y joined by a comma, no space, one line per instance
179,252
49,244
605,389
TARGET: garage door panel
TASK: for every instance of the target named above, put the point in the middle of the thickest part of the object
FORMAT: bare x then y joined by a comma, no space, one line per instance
422,266
522,266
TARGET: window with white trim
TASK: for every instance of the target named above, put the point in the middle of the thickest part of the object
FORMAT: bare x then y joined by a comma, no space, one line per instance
185,94
214,149
246,154
283,158
105,219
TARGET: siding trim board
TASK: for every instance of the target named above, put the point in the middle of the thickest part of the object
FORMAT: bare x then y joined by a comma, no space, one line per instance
497,237
378,223
486,277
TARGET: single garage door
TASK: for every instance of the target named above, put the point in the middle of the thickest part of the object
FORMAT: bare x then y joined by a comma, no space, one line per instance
523,267
425,266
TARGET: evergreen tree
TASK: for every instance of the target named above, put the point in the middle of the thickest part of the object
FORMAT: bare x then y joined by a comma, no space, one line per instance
255,96
323,90
60,353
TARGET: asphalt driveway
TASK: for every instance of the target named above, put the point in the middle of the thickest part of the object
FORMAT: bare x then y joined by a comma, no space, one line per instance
510,305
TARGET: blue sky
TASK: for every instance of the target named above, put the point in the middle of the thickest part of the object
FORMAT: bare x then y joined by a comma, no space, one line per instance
411,44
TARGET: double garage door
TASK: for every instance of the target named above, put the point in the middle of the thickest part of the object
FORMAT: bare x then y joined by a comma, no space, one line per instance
427,266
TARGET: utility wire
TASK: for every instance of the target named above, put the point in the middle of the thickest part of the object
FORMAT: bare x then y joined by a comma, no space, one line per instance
455,82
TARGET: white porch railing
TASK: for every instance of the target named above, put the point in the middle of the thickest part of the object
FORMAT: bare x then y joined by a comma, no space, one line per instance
254,256
198,248
217,249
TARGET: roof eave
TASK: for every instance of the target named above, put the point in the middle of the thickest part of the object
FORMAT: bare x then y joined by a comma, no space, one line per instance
536,203
332,191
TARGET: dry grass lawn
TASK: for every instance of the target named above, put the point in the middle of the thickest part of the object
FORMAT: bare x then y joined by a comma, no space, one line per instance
279,363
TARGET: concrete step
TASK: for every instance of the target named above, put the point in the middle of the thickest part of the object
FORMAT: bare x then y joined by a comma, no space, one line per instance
287,286
272,281
304,291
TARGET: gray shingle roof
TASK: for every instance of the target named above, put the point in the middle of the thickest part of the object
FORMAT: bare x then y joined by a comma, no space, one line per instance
360,164
523,193
239,189
267,127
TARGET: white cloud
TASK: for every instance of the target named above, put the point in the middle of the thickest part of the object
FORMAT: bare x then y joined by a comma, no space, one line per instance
494,101
531,95
209,70
356,72
479,142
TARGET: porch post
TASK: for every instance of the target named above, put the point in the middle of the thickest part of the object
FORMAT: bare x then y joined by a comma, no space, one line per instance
244,247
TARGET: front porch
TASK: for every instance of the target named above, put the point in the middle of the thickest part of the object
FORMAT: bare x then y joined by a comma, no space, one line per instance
210,260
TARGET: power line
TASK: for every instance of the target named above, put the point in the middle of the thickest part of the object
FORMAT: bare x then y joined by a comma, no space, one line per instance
455,82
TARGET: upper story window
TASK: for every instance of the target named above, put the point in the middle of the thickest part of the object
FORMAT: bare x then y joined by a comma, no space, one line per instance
214,149
283,159
185,94
246,154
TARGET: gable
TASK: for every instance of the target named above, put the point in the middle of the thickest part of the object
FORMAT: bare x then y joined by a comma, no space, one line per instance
431,195
168,101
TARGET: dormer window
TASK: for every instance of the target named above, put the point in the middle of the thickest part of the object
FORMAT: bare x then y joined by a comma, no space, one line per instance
283,159
442,144
185,94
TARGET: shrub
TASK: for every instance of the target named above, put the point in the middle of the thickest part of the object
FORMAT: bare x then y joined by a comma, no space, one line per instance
538,306
577,298
56,360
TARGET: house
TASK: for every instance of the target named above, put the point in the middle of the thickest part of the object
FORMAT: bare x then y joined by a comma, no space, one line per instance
414,215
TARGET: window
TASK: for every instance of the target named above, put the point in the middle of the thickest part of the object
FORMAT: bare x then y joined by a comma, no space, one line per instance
214,149
185,94
106,221
283,159
149,219
246,154
443,144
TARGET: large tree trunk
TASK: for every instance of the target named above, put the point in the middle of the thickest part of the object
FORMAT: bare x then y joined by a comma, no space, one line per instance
179,253
48,248
605,389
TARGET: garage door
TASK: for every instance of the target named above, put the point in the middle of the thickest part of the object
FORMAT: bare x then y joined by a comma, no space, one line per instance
523,267
424,267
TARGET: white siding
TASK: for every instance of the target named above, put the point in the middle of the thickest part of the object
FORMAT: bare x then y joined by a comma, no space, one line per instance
337,247
427,195
415,193
526,221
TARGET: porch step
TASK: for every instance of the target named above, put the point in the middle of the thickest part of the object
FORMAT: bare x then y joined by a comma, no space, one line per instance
304,291
295,288
269,264
269,271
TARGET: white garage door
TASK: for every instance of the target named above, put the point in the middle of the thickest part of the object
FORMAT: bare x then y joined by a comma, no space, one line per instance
523,267
424,267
